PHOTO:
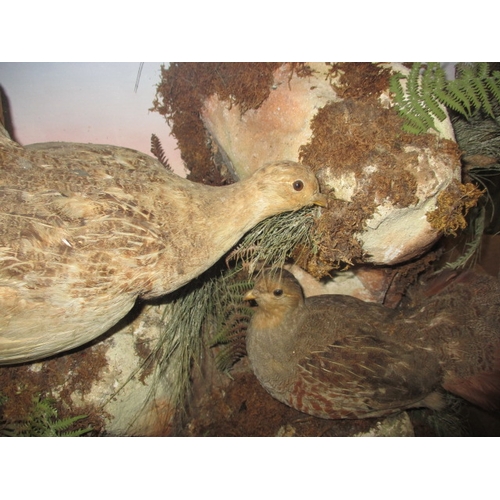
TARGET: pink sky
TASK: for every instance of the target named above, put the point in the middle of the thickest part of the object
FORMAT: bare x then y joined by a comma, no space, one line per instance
87,102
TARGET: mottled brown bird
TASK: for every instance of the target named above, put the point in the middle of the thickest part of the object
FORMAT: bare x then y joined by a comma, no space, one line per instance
87,229
335,356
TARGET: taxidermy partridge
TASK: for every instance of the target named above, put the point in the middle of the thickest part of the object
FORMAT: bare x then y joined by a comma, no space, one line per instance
335,356
87,229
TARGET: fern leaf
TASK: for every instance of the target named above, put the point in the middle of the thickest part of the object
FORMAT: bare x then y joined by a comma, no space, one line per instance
157,150
458,92
414,125
42,421
482,70
65,423
420,102
493,84
451,101
397,89
430,81
411,103
481,91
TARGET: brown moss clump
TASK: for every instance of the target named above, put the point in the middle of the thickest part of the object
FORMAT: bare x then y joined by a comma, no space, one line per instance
453,205
185,86
359,81
350,136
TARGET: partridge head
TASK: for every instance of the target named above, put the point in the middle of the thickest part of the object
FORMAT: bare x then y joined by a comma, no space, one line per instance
87,229
335,356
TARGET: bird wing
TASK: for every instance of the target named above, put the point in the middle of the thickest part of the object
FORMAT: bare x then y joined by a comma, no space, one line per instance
361,371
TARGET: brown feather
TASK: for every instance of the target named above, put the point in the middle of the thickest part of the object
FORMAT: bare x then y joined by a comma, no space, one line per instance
335,356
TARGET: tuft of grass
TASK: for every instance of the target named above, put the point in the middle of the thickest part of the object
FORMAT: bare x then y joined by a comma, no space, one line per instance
272,241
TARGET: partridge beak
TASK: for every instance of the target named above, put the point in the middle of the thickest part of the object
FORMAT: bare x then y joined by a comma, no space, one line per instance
320,199
249,295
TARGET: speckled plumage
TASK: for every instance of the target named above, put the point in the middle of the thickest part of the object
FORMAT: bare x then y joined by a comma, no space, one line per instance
335,356
86,229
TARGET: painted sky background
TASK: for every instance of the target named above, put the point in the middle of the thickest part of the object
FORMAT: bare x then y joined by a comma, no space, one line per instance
87,102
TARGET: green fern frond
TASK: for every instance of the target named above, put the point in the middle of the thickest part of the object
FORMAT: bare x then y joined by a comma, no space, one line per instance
66,423
42,421
411,100
419,101
493,85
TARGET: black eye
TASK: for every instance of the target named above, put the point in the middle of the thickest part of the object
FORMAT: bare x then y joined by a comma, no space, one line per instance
298,185
278,292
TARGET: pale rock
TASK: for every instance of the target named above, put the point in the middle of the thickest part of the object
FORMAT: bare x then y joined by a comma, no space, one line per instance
276,129
397,426
131,406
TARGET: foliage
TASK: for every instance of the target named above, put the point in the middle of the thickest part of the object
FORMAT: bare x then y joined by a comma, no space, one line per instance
421,97
158,151
231,318
42,421
479,138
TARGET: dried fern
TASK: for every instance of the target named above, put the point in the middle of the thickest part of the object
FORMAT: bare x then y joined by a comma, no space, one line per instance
157,150
42,421
231,318
421,100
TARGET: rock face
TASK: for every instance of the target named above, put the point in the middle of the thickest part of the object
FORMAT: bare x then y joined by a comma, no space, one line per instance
339,120
129,394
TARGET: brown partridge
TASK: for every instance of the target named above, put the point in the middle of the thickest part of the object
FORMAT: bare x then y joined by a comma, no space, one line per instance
87,229
335,356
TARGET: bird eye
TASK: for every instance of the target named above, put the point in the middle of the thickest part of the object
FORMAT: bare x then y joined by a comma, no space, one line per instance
298,185
278,292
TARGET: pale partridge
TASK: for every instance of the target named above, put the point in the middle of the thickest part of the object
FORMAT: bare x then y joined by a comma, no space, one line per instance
335,356
87,229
